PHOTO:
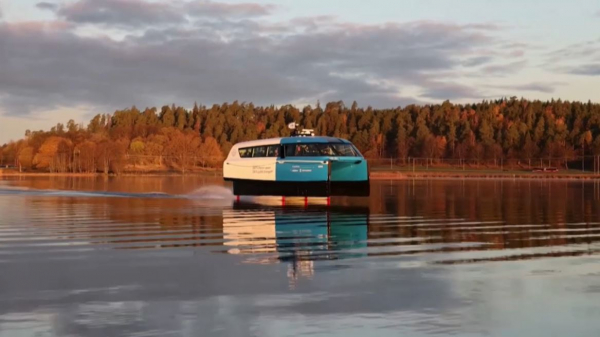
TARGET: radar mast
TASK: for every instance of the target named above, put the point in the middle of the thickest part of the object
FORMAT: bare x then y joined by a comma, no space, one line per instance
299,131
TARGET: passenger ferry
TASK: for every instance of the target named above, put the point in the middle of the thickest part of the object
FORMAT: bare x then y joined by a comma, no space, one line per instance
303,165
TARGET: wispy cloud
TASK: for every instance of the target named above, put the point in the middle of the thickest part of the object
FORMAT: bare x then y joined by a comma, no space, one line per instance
580,58
120,13
47,6
517,53
543,87
586,69
477,61
238,10
450,90
504,69
141,13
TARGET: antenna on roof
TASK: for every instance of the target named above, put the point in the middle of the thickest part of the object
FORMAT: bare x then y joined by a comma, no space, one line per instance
298,131
307,133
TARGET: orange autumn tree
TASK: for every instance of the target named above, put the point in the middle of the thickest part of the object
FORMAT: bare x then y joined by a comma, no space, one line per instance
86,159
110,155
210,153
26,158
183,148
54,155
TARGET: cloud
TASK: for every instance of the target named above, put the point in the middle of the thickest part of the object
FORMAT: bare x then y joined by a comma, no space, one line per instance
516,53
142,13
477,61
226,58
483,26
516,45
547,88
446,90
580,58
592,69
217,9
120,13
504,69
570,58
47,6
541,87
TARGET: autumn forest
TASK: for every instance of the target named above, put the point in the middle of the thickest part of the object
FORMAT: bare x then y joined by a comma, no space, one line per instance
175,138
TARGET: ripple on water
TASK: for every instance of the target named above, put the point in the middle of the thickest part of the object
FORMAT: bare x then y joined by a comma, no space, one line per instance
279,234
156,243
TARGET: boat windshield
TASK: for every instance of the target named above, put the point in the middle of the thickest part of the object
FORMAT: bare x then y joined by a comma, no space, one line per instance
318,150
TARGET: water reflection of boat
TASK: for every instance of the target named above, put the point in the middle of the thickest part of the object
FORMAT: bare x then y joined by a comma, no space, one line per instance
298,237
278,201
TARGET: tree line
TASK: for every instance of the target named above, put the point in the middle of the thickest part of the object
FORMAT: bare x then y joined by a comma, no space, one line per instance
174,137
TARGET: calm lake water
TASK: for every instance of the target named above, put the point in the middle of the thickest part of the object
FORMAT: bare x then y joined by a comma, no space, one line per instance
172,256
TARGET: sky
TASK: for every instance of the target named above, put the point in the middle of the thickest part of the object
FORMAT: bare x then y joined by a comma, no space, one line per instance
62,60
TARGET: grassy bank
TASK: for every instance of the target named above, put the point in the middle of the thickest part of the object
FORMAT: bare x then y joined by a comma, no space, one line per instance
14,173
480,174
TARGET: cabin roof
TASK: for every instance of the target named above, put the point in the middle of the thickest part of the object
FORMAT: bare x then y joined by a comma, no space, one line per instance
259,142
312,139
291,140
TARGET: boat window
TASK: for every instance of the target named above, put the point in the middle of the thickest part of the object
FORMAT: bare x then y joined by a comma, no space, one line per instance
290,150
245,152
320,150
273,151
259,151
343,150
307,150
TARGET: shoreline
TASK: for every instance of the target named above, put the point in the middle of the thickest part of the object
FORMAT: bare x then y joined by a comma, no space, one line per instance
126,174
374,175
390,175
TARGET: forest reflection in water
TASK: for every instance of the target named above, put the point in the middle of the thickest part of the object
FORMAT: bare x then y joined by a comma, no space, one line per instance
483,215
67,244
